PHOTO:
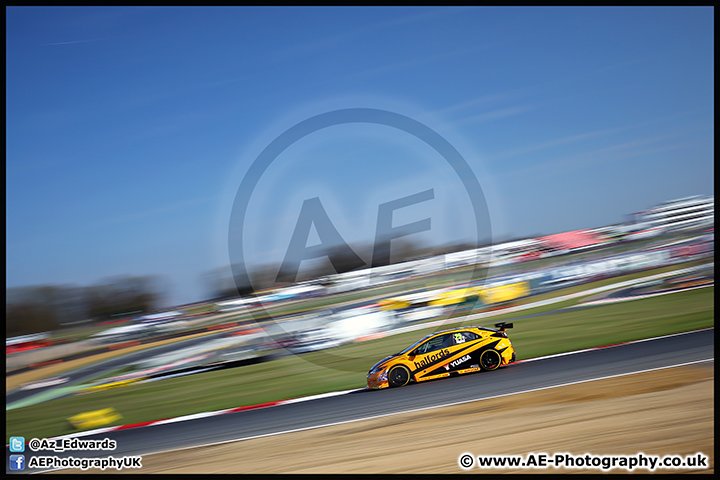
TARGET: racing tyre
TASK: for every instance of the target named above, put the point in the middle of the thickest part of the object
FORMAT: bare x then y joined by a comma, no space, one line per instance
398,376
490,359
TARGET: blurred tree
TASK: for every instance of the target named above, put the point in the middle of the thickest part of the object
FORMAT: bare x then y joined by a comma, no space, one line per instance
35,309
122,295
25,318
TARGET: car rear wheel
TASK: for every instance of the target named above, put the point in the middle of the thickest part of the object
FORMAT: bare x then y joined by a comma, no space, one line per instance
490,359
398,376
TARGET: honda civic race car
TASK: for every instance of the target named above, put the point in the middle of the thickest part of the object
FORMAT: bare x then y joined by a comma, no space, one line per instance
442,354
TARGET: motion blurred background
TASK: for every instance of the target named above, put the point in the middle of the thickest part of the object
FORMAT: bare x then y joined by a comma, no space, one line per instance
130,131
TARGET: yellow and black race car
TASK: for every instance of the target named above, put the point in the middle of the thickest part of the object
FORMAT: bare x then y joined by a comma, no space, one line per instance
442,354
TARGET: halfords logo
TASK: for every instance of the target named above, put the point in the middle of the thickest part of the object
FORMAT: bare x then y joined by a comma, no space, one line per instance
430,359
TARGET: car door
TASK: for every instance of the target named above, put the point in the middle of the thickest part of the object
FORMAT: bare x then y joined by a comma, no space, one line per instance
463,353
431,356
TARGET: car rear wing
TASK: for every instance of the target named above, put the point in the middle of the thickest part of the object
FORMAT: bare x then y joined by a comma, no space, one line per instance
502,326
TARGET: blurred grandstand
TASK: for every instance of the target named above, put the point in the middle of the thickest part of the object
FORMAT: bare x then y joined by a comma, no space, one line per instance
680,214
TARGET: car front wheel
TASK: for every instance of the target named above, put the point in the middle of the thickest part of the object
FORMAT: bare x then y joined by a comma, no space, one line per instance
398,376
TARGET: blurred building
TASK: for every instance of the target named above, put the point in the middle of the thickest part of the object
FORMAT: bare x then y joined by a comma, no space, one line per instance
683,213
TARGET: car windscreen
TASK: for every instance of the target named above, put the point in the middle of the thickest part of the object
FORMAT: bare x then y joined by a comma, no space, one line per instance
416,343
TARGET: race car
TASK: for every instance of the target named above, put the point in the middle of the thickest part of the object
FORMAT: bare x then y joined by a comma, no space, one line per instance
443,354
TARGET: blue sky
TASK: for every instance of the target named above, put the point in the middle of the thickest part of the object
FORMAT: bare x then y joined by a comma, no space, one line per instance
129,130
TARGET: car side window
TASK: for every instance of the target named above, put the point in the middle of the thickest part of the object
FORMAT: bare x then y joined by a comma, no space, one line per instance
462,337
470,336
435,343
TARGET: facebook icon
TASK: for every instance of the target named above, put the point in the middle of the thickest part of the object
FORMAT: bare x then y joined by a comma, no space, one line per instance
17,462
